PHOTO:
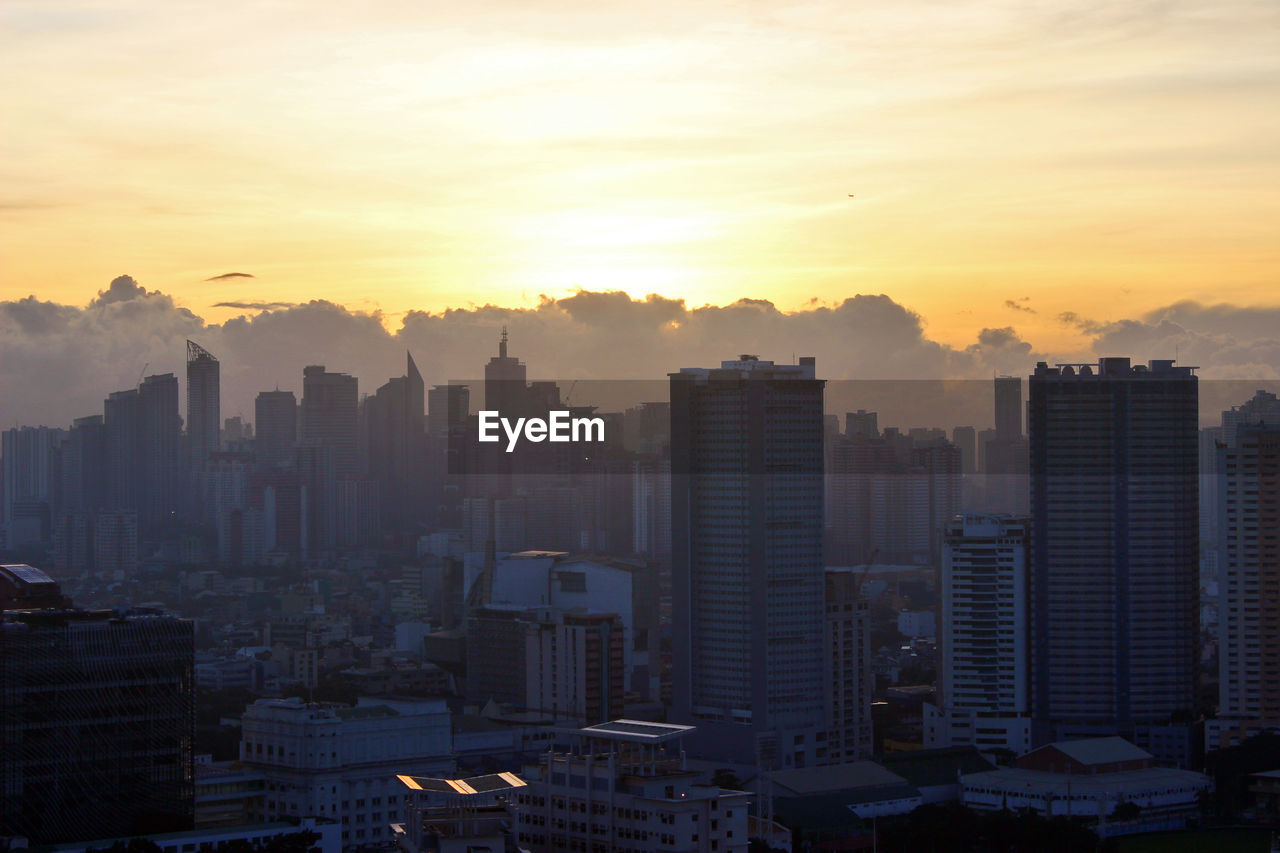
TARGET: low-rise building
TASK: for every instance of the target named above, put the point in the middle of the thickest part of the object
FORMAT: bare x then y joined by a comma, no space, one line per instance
1106,779
339,762
624,792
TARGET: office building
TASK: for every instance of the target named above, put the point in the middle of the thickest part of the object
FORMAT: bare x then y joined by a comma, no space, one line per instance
98,724
84,465
1115,552
984,678
747,559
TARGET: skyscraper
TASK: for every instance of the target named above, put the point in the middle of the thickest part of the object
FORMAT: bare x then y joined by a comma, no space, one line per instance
395,425
203,394
330,413
1008,392
276,416
747,565
160,453
29,456
1115,551
505,389
122,416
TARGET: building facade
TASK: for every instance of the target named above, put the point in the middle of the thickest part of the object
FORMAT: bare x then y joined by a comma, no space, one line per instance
1115,552
748,598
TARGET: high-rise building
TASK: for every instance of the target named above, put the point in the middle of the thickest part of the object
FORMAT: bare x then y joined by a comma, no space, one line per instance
330,414
1008,395
203,400
84,465
395,428
505,389
1115,551
160,426
849,679
31,481
1248,583
121,414
98,724
984,676
747,559
276,416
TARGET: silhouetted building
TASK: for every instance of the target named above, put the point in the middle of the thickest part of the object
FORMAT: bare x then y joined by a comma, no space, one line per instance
395,427
24,587
31,482
160,456
122,417
84,465
330,410
1115,552
98,725
276,415
747,562
203,404
505,388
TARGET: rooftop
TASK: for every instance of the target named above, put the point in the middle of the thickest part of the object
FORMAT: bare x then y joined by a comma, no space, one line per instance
1100,750
837,777
636,731
467,787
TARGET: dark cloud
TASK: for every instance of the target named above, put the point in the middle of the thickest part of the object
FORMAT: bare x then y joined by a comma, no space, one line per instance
253,306
228,275
1017,305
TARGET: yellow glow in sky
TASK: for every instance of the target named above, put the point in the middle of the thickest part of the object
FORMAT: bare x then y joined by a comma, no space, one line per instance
1102,158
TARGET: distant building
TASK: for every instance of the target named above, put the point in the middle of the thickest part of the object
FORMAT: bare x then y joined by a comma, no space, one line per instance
330,412
30,477
984,682
276,416
160,486
204,392
395,427
98,721
340,763
621,791
24,587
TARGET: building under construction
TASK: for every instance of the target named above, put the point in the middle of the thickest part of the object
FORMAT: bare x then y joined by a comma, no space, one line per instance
96,724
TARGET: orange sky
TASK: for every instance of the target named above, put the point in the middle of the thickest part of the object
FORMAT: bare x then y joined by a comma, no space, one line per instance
1099,158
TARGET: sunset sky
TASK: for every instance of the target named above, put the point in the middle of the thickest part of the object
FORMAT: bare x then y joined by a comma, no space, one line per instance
1011,161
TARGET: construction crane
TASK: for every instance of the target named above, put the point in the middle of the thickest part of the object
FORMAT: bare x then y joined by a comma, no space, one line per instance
142,371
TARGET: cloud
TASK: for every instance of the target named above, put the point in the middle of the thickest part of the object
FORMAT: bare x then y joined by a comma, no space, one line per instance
58,362
229,275
1017,305
254,306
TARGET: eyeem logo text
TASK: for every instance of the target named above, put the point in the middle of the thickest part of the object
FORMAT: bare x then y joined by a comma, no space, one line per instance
558,426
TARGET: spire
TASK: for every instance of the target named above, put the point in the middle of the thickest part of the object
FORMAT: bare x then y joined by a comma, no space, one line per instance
502,344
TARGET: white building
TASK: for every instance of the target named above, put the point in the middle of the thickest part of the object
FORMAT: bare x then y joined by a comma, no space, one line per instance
1090,779
622,793
984,689
340,762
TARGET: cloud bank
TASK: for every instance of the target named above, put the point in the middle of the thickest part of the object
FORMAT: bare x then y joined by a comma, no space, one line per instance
57,362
